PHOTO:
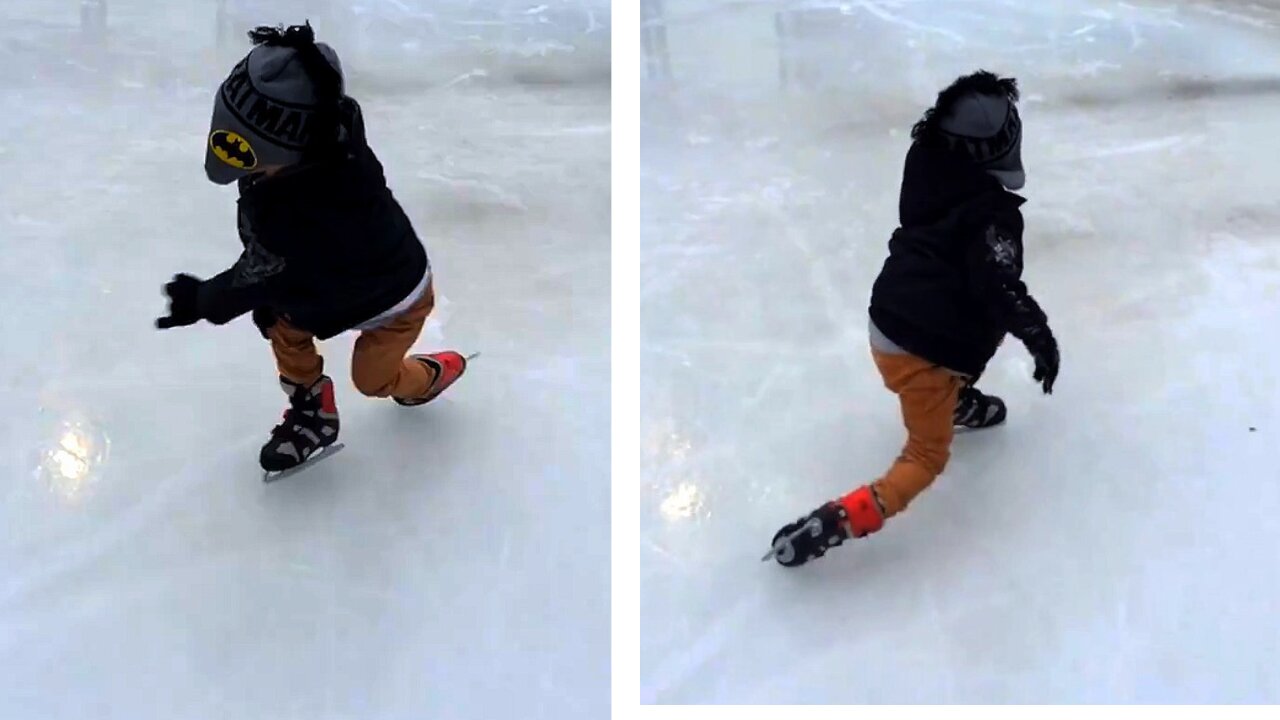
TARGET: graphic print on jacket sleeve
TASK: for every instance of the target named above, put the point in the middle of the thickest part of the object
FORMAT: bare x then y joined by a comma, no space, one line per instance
1000,272
255,265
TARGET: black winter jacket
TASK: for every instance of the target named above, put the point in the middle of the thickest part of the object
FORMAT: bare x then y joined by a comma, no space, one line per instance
952,286
326,245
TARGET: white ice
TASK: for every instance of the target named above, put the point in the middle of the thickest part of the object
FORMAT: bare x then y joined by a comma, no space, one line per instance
1118,541
453,561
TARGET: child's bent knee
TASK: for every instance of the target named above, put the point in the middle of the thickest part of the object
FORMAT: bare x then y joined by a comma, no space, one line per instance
932,458
372,384
937,461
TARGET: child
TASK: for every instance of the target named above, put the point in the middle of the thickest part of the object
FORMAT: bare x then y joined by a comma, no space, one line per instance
947,295
326,247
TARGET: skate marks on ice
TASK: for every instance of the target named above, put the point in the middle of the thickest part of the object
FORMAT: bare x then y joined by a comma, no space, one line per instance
678,669
71,556
1173,89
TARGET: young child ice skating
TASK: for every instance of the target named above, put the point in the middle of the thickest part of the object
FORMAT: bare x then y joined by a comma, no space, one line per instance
326,246
947,295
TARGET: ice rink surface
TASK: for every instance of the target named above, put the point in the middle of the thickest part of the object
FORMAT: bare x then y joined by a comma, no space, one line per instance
453,561
1117,541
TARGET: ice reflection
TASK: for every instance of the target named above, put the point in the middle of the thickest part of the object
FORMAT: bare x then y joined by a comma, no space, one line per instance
71,462
684,502
667,453
665,443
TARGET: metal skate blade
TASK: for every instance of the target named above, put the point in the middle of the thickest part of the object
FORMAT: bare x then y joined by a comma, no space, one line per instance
269,477
473,356
782,542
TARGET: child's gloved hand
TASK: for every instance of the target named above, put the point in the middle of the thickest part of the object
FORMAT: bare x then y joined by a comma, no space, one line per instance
1044,350
183,306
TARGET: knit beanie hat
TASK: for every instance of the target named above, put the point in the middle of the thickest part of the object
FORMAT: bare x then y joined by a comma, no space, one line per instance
977,116
279,104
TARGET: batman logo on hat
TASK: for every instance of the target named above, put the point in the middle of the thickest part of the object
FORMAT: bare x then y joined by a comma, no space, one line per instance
233,149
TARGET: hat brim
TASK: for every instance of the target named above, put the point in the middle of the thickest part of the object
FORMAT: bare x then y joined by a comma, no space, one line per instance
219,172
1011,179
232,151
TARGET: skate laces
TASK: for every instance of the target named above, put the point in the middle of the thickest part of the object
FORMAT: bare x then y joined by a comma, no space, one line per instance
303,411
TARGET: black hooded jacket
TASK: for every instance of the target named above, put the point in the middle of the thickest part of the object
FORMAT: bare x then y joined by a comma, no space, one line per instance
326,245
951,287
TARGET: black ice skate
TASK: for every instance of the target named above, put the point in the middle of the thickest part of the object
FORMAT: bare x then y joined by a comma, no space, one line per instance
310,424
975,410
809,537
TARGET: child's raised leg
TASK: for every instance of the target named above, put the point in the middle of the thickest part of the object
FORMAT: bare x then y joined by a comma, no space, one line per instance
928,395
379,367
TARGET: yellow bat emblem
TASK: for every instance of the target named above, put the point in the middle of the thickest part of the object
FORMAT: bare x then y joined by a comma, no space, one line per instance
233,150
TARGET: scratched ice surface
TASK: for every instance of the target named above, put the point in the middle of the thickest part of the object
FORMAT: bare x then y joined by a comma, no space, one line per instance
452,562
1117,541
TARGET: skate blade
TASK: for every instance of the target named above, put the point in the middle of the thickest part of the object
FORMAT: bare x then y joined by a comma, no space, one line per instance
472,356
782,542
316,457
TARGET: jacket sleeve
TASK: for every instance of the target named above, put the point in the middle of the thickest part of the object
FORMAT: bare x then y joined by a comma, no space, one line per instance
244,287
995,263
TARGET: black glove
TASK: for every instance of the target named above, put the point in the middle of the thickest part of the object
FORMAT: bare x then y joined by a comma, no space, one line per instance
264,317
183,306
1044,350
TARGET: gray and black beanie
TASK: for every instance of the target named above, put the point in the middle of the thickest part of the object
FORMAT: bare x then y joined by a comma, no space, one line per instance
279,104
978,116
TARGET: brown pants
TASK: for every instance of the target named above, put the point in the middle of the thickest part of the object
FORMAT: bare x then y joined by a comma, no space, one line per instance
379,367
928,394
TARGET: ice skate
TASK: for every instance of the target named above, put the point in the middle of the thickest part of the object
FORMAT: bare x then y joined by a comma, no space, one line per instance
447,366
809,537
976,411
852,516
310,424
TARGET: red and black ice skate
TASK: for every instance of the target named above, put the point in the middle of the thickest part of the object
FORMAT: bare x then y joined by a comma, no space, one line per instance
852,516
310,425
447,367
